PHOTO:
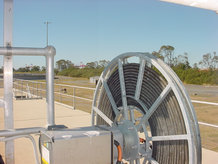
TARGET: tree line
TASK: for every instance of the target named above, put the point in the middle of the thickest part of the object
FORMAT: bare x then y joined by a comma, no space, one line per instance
203,72
67,68
28,69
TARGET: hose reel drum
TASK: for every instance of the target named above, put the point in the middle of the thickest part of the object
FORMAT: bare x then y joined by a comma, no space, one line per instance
142,97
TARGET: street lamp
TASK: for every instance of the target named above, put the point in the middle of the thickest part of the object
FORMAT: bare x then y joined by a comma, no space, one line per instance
47,31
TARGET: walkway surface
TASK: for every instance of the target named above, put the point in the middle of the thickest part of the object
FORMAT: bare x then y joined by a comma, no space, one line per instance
32,113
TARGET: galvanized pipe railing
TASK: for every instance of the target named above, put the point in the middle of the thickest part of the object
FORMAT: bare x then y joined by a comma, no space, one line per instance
36,92
21,131
8,51
49,52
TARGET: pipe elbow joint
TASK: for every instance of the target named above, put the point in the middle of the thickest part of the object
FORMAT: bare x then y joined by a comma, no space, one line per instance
50,51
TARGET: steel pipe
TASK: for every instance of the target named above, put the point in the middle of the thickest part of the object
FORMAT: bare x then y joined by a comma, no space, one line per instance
49,52
24,51
50,86
24,136
21,131
8,78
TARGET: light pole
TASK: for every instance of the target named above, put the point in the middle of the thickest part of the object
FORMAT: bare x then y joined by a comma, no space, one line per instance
47,31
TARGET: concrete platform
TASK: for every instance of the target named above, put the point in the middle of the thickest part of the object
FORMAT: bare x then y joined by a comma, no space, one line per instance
32,113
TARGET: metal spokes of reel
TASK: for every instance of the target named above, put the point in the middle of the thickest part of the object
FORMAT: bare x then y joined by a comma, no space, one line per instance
142,97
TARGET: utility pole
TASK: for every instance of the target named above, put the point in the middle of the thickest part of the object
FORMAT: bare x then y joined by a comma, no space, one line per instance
47,31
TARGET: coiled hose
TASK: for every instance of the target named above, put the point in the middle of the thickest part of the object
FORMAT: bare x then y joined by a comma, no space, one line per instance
166,120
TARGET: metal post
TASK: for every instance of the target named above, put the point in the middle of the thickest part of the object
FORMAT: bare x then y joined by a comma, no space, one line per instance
8,79
74,105
34,89
41,90
22,90
37,85
50,86
47,31
60,91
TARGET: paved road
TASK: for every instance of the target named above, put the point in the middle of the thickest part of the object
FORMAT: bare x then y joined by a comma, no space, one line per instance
201,90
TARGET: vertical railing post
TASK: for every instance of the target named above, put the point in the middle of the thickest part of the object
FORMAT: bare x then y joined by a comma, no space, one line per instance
22,88
33,89
37,89
8,79
50,85
74,103
60,91
41,89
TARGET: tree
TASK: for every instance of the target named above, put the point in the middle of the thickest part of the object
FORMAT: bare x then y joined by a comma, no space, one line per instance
215,60
35,68
195,66
24,69
167,52
209,61
64,64
158,55
43,68
183,59
92,64
103,63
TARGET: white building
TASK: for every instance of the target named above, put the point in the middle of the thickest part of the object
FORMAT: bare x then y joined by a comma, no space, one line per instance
94,79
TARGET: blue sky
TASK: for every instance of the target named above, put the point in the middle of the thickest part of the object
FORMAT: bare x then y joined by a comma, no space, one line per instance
90,30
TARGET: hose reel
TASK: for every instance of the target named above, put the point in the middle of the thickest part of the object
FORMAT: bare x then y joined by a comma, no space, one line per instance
141,96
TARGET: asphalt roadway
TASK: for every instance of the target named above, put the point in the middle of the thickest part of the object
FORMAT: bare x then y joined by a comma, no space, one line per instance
202,90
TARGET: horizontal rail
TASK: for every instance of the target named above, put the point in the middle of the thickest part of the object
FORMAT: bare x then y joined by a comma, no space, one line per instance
32,95
73,96
74,86
31,81
23,51
207,124
20,131
62,85
204,102
79,87
82,98
24,136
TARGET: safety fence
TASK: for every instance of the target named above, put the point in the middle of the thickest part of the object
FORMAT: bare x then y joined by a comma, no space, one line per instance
75,97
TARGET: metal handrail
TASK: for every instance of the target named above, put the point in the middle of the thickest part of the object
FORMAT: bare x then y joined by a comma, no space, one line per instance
37,90
63,85
73,96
